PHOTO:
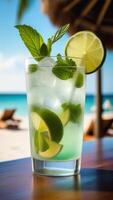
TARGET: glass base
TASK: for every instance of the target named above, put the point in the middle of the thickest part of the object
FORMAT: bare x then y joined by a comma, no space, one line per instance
56,168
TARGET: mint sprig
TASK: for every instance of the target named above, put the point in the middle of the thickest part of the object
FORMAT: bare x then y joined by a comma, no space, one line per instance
32,68
64,68
64,62
35,42
75,111
59,33
79,80
63,73
44,50
32,39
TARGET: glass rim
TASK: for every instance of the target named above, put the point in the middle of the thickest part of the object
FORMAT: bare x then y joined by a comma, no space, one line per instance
31,57
79,66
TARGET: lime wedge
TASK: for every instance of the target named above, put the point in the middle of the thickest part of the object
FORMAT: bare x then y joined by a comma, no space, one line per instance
52,151
39,141
64,117
43,145
87,46
45,120
38,122
36,141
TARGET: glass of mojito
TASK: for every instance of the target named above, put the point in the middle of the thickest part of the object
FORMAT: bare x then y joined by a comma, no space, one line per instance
56,108
56,96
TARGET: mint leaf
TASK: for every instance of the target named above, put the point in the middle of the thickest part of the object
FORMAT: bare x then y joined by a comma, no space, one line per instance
49,46
75,111
60,61
59,33
70,62
65,105
64,68
35,43
32,68
57,36
32,39
44,50
79,80
64,62
63,73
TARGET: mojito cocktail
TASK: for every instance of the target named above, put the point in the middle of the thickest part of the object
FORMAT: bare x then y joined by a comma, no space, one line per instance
56,108
56,95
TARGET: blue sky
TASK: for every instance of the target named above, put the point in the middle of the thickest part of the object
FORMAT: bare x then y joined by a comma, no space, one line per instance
13,52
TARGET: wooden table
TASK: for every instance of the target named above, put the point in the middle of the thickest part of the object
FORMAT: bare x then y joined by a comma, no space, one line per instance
94,183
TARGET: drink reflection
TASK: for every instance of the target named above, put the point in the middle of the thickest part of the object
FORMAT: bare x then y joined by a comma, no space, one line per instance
56,187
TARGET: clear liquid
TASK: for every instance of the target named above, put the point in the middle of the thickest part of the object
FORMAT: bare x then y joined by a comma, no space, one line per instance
72,143
47,91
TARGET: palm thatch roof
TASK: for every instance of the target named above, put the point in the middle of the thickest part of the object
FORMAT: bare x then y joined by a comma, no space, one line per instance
95,15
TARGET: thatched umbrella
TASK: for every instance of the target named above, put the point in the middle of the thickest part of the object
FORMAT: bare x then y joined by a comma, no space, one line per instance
95,15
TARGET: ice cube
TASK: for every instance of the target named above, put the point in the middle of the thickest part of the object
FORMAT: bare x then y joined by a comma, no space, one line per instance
64,89
47,62
42,77
32,79
78,95
51,101
36,96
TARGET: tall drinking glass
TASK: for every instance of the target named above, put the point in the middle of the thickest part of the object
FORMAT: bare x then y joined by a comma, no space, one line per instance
56,111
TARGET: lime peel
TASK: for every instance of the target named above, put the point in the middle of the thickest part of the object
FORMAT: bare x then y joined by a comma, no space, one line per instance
88,47
53,123
53,149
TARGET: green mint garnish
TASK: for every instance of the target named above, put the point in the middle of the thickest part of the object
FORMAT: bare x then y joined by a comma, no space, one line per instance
44,50
75,111
32,68
64,62
65,106
32,40
63,73
35,43
64,68
59,33
79,80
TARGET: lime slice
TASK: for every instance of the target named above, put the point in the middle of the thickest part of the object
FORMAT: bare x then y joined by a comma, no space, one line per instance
38,122
87,46
36,141
64,117
52,151
45,120
39,142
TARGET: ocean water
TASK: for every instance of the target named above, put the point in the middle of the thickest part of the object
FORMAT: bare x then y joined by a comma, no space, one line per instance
19,101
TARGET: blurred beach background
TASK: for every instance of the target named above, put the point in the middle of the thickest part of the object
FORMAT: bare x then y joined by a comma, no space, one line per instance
19,101
15,144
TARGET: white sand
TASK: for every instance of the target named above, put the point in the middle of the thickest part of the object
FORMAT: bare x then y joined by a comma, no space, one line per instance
88,118
14,144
